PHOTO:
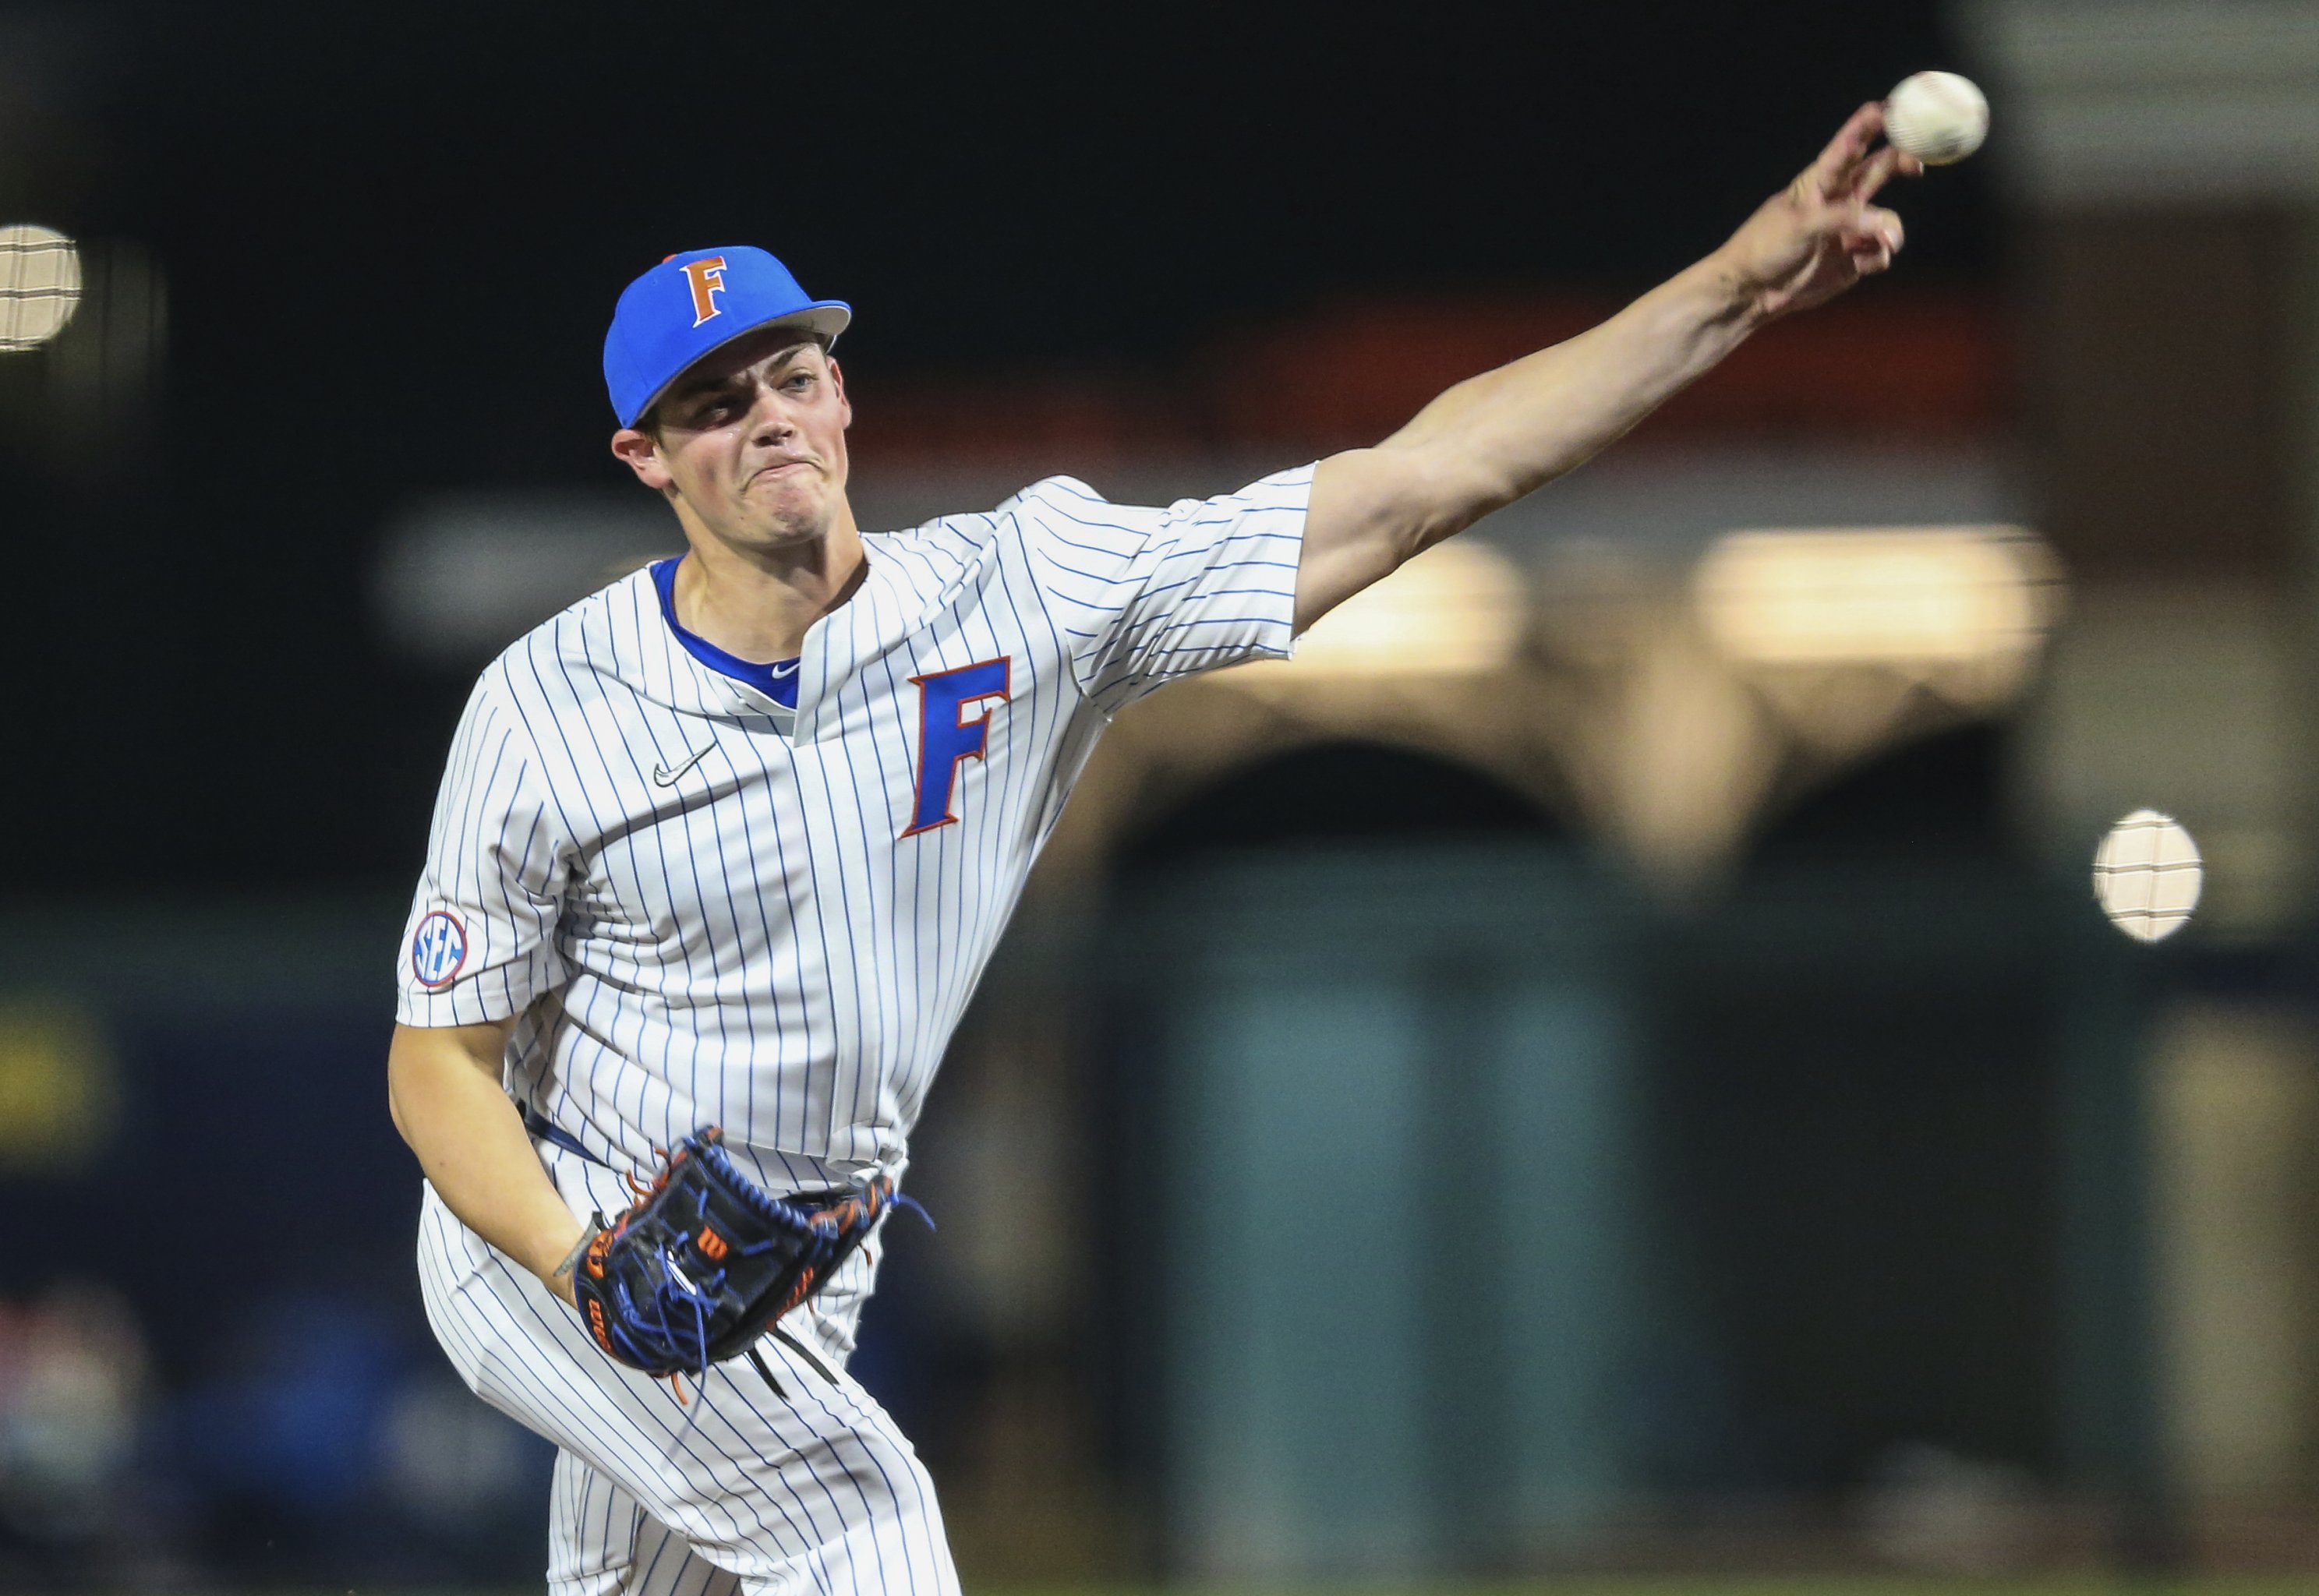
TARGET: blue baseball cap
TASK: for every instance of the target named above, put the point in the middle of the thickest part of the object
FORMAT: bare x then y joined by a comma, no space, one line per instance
697,302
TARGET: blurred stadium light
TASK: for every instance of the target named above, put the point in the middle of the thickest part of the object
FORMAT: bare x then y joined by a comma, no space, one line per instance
1459,610
1912,598
1843,630
461,578
59,1095
2147,874
39,284
93,316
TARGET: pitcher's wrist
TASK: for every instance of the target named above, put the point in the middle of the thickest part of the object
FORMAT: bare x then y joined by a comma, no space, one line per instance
559,1255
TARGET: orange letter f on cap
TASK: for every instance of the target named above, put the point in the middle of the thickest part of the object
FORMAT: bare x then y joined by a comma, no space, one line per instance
707,276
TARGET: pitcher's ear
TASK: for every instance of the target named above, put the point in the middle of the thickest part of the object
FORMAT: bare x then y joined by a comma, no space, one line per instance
640,451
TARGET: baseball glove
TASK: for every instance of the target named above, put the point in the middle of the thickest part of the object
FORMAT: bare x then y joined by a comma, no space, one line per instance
703,1265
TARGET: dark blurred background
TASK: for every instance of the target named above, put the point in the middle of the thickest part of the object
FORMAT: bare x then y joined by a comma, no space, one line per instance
391,236
1674,978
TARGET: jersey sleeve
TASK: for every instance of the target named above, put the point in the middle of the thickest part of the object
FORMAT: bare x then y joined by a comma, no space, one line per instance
1144,596
479,944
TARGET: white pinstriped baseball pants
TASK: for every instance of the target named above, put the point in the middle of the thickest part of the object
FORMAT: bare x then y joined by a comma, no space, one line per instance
799,1486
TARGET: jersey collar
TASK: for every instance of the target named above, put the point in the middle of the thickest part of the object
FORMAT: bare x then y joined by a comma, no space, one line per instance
875,621
776,682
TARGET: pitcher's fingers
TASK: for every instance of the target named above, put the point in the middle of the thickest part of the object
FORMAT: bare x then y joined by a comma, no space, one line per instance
1832,171
1881,168
1884,225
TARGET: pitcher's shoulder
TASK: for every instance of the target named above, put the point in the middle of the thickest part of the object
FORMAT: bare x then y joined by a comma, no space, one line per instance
599,636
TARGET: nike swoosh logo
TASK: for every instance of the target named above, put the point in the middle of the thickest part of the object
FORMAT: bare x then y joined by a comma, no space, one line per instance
788,670
664,777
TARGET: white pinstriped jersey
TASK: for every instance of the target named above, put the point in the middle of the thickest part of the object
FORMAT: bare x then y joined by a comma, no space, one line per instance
709,909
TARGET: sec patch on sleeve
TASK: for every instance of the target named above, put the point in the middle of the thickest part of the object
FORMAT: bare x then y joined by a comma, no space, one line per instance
439,949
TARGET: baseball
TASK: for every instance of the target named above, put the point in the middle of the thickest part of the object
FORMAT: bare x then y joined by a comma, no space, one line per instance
1938,117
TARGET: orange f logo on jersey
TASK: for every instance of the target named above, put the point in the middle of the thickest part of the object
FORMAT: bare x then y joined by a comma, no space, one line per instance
707,276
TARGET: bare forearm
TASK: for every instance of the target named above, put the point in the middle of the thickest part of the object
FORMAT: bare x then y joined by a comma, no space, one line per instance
1509,432
1494,438
472,1144
1484,443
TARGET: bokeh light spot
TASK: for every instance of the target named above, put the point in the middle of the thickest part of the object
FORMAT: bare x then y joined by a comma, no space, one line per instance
2148,875
58,1092
39,284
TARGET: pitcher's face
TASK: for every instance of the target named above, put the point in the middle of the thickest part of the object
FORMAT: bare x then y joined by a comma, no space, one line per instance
753,440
